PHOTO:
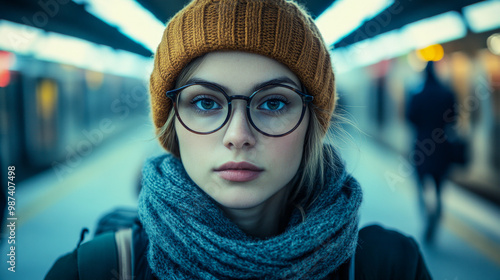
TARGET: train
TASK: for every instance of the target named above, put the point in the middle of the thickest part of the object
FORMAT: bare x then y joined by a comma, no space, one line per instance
54,113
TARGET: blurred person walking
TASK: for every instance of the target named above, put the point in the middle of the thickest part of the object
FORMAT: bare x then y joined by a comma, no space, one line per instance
432,113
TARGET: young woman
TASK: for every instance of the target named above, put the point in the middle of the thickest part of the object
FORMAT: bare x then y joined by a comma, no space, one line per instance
242,95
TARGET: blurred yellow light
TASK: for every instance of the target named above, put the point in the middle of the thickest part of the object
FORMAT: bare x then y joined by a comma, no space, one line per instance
431,53
46,93
494,43
94,79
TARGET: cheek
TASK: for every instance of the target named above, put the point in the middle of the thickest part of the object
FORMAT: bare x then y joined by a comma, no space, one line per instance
286,153
193,149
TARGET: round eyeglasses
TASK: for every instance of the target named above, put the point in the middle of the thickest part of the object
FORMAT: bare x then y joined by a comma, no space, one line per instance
274,110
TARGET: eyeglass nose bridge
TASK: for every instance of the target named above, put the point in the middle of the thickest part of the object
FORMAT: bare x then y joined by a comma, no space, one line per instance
242,97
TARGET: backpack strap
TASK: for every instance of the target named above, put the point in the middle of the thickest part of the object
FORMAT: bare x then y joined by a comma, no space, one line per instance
123,239
352,274
107,256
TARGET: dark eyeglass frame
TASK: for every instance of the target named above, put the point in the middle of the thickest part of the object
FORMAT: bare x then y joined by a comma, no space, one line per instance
306,99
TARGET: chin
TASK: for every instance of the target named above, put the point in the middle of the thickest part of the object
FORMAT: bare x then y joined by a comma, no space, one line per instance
240,201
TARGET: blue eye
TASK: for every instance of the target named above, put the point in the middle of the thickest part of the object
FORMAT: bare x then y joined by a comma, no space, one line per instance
206,104
272,105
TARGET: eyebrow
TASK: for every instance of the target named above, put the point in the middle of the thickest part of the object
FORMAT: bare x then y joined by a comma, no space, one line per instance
278,80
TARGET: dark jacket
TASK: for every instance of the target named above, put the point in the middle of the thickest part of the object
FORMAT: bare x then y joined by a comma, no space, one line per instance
380,254
431,112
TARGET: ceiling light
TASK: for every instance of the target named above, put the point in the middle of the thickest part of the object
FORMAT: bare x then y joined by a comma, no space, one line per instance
494,43
130,18
54,47
483,16
345,16
435,30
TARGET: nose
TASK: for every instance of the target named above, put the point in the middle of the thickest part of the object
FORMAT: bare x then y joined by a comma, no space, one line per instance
239,133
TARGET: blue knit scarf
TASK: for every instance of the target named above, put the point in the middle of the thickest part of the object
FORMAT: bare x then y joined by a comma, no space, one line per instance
191,238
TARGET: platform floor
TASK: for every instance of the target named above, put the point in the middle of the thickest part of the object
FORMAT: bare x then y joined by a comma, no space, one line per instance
54,206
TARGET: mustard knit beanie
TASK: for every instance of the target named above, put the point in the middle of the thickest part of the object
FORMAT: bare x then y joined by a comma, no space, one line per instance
279,29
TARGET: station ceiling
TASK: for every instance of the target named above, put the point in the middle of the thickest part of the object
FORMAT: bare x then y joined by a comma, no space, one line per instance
69,18
401,13
164,10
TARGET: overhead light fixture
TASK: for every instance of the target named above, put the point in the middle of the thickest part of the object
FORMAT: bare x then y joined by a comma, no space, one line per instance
345,16
483,16
130,18
494,43
435,30
417,35
370,51
18,38
53,47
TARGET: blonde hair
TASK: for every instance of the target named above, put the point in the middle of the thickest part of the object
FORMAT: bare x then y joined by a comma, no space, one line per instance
166,133
315,159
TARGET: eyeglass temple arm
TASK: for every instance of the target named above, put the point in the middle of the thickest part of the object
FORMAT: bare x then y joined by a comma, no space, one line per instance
308,98
172,94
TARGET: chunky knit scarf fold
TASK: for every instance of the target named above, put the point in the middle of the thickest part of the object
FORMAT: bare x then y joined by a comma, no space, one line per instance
191,238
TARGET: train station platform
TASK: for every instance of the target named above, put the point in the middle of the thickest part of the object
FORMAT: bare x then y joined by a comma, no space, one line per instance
54,206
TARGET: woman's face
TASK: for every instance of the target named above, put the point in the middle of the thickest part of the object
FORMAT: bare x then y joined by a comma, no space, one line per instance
212,161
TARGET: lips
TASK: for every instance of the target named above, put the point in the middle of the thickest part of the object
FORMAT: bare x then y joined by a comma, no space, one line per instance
238,171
